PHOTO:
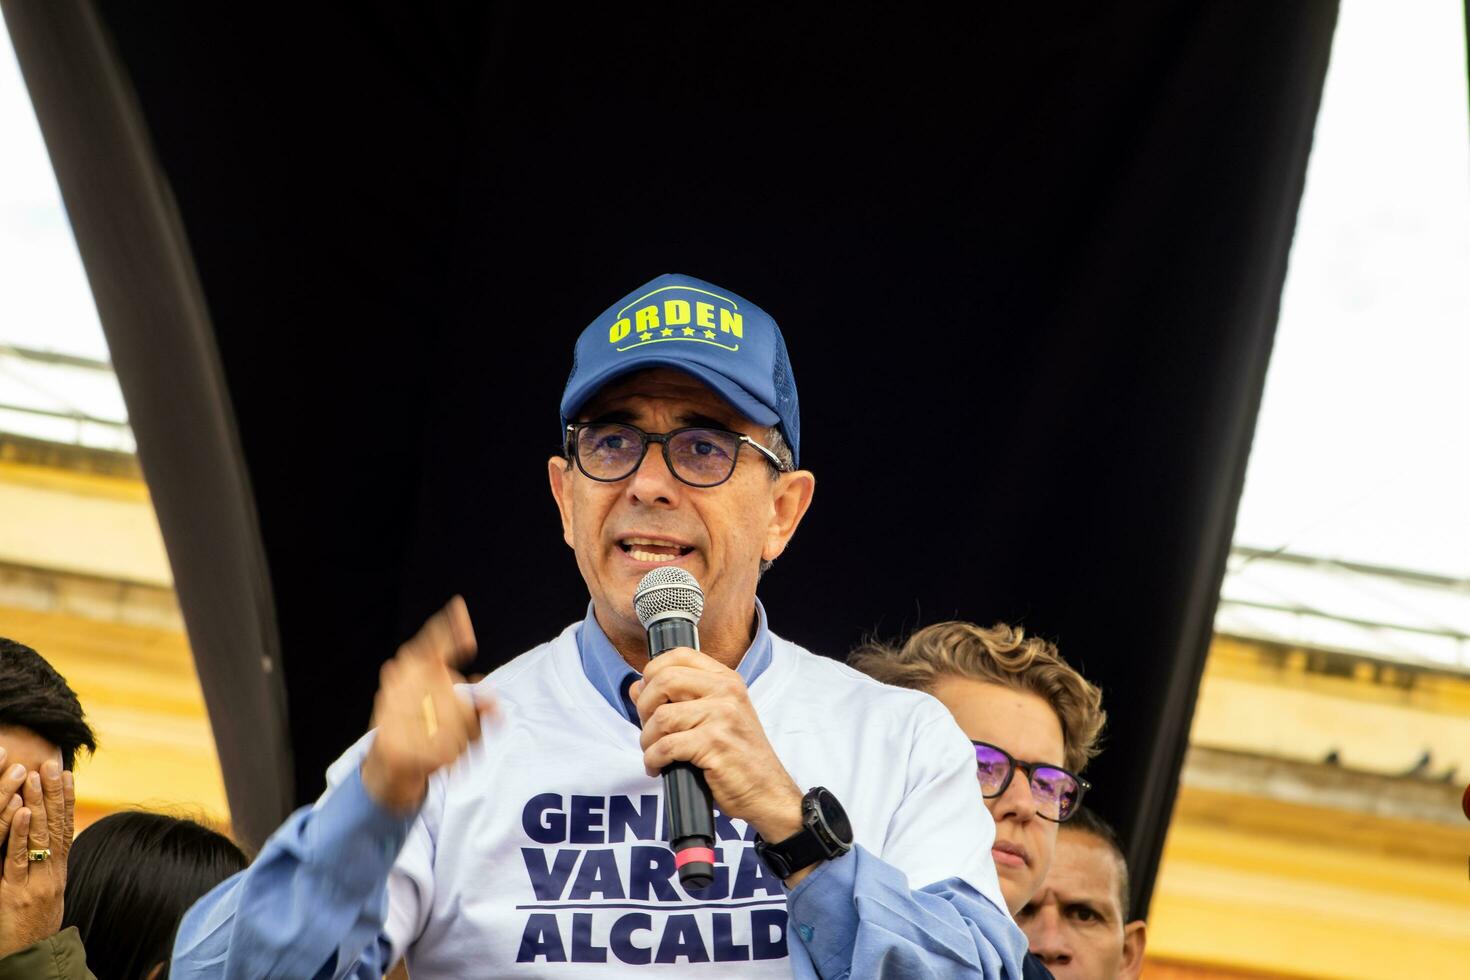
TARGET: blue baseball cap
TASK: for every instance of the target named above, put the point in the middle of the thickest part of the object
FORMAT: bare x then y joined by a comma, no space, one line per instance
696,327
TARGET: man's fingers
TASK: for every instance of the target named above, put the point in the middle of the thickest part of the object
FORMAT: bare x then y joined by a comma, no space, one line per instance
13,780
17,861
479,698
426,695
681,684
683,657
674,747
458,615
11,783
446,636
8,814
69,808
55,803
454,719
39,837
672,716
469,718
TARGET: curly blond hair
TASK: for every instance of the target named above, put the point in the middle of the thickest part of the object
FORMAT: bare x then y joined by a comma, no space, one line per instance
1001,655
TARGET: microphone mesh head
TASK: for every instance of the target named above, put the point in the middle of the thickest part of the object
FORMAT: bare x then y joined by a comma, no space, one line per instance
666,590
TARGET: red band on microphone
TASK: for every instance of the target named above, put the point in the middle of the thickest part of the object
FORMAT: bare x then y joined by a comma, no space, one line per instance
683,857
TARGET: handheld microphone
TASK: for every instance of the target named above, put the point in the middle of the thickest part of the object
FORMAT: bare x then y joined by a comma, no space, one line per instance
669,603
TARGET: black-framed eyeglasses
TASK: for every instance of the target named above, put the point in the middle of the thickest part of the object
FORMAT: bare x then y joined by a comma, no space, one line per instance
698,455
1057,792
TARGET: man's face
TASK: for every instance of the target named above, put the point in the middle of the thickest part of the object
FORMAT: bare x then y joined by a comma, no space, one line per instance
1025,726
1075,922
719,534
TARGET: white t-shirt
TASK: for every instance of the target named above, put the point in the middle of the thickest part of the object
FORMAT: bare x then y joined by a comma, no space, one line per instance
542,850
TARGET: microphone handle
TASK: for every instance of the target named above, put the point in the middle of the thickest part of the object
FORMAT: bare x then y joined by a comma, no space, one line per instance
687,799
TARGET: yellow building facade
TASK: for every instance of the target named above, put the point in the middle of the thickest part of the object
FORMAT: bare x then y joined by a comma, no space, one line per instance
84,580
1318,830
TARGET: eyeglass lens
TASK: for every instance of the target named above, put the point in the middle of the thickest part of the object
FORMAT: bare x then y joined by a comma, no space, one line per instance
701,457
1054,790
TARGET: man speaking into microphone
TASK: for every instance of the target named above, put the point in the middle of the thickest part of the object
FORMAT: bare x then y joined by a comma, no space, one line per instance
518,827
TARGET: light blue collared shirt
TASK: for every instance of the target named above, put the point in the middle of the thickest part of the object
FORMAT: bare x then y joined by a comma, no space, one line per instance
611,675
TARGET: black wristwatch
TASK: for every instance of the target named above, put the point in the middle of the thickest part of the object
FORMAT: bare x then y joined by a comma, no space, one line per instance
825,834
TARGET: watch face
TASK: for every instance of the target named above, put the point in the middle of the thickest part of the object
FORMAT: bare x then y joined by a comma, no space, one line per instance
834,817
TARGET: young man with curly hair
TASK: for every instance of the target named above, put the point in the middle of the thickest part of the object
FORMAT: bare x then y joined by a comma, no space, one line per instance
1034,721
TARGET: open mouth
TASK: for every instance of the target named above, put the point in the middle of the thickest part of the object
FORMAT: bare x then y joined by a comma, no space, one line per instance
648,549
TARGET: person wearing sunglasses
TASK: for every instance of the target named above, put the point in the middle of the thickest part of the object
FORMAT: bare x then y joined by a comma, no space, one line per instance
517,826
1034,722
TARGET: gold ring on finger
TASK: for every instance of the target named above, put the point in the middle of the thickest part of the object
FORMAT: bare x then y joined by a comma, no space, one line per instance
38,854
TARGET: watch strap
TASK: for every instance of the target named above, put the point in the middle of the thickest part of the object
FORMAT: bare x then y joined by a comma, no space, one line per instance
802,849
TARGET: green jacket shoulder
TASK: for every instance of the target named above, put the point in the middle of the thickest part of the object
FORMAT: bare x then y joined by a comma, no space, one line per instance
58,957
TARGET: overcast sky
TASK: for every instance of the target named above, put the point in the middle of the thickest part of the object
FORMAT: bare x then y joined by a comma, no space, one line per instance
44,298
1362,450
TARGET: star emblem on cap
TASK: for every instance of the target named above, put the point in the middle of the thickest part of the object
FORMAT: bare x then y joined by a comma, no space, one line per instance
666,332
709,335
645,336
689,331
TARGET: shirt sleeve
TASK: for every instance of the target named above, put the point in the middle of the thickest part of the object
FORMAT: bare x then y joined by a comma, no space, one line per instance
858,916
313,904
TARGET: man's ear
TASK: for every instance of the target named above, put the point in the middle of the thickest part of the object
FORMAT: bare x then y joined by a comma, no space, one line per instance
792,497
1135,937
560,475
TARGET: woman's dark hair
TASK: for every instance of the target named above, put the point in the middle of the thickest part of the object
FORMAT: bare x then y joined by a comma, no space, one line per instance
34,696
130,879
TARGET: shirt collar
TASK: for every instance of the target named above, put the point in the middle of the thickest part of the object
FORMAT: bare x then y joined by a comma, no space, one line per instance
611,675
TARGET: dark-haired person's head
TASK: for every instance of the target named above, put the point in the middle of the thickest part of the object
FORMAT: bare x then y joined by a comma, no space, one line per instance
130,879
40,716
1078,922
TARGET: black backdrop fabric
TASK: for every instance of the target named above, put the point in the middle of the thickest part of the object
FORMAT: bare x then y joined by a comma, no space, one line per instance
1027,267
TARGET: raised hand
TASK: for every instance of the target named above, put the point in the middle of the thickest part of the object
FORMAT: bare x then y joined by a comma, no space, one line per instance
33,883
422,723
695,709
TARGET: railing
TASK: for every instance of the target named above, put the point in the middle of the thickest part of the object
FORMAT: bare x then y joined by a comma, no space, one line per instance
1422,636
119,432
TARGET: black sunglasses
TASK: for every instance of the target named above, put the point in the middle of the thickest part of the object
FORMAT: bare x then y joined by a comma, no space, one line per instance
697,455
1057,792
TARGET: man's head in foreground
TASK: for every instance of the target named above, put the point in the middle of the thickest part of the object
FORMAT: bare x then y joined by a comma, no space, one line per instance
1077,924
1023,706
681,435
40,716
